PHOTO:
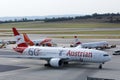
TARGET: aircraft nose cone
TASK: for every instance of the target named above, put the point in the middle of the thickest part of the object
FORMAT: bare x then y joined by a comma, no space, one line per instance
108,58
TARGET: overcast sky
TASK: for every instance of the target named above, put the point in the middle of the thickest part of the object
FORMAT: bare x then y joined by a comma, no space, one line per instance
57,7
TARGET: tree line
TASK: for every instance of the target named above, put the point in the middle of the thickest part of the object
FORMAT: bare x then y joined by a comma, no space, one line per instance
107,17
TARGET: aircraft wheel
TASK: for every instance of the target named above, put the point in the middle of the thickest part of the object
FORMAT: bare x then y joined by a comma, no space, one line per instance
100,66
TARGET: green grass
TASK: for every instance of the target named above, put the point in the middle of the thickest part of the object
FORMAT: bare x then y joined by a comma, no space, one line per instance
64,32
58,25
61,26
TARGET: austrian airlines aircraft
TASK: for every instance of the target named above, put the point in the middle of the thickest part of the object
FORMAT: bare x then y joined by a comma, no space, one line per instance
97,45
58,56
40,42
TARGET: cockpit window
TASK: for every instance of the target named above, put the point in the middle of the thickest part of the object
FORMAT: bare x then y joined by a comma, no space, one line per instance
105,55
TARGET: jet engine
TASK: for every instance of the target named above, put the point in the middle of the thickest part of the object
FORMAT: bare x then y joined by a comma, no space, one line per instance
56,62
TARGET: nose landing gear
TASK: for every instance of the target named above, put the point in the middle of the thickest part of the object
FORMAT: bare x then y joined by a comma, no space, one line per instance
100,66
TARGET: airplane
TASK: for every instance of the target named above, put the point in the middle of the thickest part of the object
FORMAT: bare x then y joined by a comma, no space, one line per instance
97,45
58,56
40,42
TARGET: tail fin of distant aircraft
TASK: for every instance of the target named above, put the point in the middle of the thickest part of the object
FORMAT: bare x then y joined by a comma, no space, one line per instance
19,39
77,42
27,40
21,45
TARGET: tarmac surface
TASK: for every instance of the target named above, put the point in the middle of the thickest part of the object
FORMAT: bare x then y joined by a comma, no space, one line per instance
32,69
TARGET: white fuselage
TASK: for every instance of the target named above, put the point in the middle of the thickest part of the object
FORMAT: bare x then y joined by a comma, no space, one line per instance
69,54
101,44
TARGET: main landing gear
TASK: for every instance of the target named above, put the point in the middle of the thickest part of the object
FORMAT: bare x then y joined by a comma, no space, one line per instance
47,65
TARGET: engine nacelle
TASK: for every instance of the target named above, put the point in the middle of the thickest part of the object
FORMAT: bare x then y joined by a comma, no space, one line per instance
56,62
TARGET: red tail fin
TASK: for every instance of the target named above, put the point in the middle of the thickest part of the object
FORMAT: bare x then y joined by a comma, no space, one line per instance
15,31
27,40
77,42
19,39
